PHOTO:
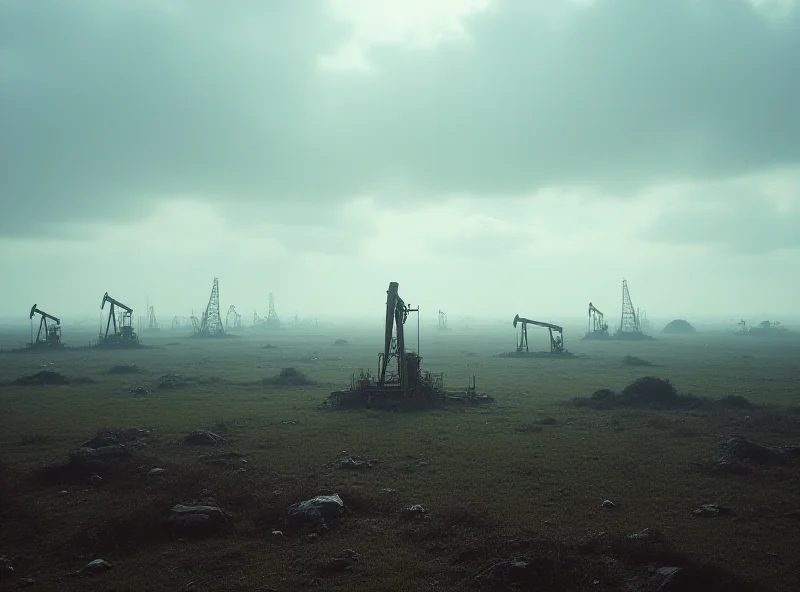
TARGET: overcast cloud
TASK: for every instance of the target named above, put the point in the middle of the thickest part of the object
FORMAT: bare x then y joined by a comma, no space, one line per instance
314,139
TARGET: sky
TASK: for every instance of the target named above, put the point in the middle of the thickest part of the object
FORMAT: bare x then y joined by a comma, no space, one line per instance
494,157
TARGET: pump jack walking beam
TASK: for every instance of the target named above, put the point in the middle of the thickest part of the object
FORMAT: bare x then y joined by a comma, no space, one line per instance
556,342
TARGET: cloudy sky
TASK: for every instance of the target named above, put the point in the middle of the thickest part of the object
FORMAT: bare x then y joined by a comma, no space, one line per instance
492,156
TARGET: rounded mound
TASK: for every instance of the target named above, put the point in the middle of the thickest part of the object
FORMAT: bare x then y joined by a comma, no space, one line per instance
679,326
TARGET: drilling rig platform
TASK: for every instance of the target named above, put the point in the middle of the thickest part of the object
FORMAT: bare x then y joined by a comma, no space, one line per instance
630,326
401,383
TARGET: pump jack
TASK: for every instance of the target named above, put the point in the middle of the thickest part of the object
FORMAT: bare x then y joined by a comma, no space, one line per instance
123,335
556,341
48,335
400,383
598,328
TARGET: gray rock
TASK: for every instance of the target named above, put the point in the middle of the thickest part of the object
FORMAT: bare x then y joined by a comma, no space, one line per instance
197,518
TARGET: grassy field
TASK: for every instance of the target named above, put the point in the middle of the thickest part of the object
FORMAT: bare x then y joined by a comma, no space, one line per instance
526,476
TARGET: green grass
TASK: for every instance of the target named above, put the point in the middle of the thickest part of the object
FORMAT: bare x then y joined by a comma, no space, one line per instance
486,475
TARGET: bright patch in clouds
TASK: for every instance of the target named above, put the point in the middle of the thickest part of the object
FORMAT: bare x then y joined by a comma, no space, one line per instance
414,24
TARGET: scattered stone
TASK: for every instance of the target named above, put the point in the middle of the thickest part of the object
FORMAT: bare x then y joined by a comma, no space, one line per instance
204,438
138,391
608,504
711,511
95,479
26,582
649,535
290,422
387,490
63,493
197,518
157,472
317,511
277,533
415,511
354,462
94,568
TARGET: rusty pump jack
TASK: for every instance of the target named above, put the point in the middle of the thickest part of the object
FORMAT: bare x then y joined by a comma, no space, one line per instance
598,328
48,335
400,384
123,335
556,341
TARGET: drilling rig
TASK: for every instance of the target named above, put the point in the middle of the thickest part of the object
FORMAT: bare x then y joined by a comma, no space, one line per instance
233,319
598,328
152,322
272,319
401,383
442,320
211,322
629,326
121,321
556,340
48,335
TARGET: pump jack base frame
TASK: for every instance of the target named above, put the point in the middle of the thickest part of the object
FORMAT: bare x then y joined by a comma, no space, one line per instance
391,398
597,336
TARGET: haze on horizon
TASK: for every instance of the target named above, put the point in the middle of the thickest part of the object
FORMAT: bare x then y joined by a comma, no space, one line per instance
491,156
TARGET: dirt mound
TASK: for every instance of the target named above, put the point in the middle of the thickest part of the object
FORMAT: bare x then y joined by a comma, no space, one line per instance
288,377
41,378
647,392
679,326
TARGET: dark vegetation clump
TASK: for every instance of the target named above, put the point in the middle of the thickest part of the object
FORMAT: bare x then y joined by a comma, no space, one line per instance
288,377
341,342
45,377
126,369
647,392
654,393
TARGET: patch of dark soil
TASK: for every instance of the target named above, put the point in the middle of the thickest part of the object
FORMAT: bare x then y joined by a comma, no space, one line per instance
647,392
45,377
341,342
288,377
126,369
269,346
